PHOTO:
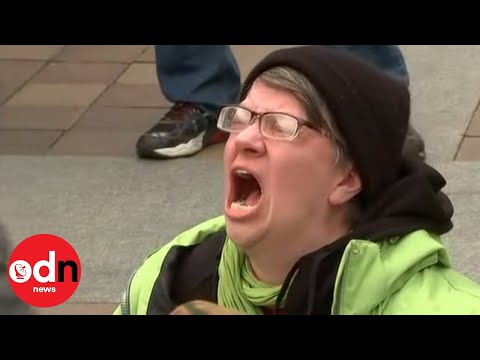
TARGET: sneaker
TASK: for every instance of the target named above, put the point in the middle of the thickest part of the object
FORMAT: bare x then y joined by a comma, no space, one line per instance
414,143
185,130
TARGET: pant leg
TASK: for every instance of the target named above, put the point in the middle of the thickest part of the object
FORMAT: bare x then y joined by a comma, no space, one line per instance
387,57
202,74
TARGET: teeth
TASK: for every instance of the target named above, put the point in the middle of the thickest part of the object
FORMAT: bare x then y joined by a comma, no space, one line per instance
240,205
242,173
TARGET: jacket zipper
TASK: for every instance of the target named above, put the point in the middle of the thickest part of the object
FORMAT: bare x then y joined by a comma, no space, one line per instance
125,304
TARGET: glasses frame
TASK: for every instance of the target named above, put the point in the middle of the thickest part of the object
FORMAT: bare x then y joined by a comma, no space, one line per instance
254,115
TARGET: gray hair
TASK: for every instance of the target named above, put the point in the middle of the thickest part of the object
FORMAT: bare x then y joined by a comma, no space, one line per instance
289,79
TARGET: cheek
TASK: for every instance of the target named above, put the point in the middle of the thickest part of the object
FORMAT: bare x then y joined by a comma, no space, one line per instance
303,179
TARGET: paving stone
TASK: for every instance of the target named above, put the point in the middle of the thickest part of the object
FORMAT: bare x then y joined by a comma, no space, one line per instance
76,95
474,126
148,55
14,74
213,152
104,73
27,142
39,118
138,74
119,118
121,95
445,86
469,150
101,53
97,142
31,52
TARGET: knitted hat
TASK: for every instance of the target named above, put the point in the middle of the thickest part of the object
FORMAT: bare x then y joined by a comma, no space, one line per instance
370,108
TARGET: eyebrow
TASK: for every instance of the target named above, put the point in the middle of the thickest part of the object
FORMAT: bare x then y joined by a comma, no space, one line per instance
276,112
242,104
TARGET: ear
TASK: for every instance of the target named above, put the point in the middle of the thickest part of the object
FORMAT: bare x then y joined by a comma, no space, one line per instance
348,185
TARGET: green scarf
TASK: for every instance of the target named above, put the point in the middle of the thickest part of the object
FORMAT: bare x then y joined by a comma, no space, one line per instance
238,287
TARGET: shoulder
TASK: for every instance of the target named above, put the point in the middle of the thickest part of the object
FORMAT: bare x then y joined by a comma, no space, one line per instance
436,290
407,275
140,287
188,238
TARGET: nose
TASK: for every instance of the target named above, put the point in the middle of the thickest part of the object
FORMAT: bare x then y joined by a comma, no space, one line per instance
250,140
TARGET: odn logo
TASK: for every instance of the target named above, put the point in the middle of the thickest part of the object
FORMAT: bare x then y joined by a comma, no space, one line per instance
44,270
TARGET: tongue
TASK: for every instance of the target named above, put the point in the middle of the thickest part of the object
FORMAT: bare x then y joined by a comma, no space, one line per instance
249,192
253,198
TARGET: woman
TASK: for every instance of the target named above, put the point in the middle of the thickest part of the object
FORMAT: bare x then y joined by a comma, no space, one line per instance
323,213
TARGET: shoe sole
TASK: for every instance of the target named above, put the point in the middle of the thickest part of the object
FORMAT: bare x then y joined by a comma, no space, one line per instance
192,147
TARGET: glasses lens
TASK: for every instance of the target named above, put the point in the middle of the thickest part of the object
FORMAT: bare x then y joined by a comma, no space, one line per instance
234,118
279,126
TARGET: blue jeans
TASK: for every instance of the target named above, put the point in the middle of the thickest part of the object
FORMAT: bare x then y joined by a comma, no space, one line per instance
389,58
207,75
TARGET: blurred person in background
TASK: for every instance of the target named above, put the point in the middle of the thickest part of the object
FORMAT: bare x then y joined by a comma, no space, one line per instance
199,79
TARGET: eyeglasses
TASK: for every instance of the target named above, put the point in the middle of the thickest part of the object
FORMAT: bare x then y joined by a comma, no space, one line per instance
280,126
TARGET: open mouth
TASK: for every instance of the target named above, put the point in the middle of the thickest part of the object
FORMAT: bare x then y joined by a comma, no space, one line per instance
246,191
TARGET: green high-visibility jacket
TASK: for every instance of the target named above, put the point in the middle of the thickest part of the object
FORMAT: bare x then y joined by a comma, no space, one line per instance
412,274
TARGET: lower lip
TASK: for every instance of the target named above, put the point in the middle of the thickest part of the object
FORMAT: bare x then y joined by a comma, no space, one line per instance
235,213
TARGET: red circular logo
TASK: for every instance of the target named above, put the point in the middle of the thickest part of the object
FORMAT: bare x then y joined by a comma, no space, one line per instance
44,270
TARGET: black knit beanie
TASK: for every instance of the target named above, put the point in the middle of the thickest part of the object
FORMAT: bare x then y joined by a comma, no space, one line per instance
370,108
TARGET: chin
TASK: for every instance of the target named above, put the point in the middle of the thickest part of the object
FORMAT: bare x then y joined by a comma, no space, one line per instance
244,234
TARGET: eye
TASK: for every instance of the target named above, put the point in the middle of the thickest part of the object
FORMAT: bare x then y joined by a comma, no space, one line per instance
279,125
238,118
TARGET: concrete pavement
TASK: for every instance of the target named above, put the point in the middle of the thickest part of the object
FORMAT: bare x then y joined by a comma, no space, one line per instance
69,118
